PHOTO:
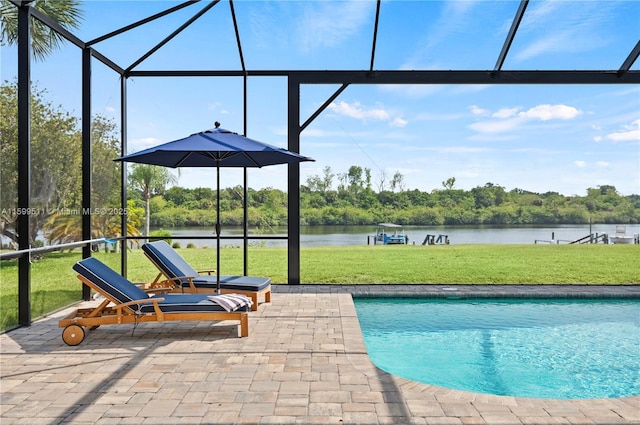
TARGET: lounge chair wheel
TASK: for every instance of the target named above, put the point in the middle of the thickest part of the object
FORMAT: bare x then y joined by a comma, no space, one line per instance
73,335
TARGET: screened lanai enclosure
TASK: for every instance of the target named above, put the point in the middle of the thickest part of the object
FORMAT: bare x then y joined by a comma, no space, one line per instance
244,63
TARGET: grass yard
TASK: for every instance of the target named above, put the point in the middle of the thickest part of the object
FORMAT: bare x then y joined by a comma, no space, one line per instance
54,284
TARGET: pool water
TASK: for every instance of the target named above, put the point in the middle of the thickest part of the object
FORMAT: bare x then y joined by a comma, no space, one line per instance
548,348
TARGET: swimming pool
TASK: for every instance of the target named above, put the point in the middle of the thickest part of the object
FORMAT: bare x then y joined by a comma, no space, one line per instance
548,348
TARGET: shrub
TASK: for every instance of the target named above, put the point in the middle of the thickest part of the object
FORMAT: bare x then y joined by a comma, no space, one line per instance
190,245
160,234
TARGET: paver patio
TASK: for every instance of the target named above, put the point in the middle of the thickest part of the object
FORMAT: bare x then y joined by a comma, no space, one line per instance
304,362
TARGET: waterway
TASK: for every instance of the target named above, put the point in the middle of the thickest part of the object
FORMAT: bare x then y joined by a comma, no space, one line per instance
361,235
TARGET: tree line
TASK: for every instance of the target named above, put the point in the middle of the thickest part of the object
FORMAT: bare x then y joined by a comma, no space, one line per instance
354,202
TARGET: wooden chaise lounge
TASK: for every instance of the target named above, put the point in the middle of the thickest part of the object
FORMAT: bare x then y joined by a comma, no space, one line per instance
127,303
172,266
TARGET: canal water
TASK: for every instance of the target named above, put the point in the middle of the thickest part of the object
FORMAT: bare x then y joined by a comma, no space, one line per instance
361,235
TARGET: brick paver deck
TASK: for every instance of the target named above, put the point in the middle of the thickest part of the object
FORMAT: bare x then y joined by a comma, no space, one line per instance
304,362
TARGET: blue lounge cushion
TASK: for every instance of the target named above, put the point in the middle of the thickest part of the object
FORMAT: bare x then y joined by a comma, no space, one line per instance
186,303
122,290
239,283
173,265
108,280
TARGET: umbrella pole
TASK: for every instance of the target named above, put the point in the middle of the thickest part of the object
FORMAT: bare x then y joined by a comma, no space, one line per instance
218,229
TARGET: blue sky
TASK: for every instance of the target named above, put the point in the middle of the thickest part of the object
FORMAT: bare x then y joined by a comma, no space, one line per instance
538,138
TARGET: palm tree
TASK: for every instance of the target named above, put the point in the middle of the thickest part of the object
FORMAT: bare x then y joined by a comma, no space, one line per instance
63,228
44,40
149,180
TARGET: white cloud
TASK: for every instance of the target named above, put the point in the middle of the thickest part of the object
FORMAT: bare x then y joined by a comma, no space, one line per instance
550,112
580,164
539,47
597,139
476,110
580,29
356,110
629,133
602,164
507,119
399,122
327,24
505,113
496,126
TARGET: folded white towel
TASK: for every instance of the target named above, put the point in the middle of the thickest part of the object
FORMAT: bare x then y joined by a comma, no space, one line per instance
231,302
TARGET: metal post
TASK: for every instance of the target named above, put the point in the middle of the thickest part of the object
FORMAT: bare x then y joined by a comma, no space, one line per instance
86,159
24,163
293,187
245,202
123,173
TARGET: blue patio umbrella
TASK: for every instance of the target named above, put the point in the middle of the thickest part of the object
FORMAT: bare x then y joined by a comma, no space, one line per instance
215,148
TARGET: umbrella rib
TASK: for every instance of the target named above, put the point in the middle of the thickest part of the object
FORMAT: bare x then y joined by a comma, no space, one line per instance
250,158
210,154
183,159
225,155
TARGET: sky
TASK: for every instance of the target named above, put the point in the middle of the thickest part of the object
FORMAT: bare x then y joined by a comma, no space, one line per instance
540,138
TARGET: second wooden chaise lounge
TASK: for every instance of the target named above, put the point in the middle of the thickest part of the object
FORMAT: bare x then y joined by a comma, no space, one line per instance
171,264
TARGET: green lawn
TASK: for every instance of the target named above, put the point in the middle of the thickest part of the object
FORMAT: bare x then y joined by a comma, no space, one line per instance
54,284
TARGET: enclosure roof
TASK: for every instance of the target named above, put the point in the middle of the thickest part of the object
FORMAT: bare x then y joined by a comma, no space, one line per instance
251,36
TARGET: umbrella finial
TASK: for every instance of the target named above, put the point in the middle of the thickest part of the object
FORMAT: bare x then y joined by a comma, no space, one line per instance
217,124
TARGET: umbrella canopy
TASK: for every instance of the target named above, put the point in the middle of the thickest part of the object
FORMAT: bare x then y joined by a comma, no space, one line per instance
215,148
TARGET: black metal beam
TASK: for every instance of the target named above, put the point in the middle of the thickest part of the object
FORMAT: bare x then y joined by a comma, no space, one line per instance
108,62
23,225
420,77
633,56
73,39
293,183
375,35
18,3
323,107
141,22
511,35
57,27
235,27
464,77
172,35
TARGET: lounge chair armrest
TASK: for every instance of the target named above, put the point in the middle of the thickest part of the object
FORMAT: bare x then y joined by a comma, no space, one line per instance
178,280
156,287
154,301
209,272
159,289
144,301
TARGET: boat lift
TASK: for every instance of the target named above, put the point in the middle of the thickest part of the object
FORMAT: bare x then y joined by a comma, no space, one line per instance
433,240
390,234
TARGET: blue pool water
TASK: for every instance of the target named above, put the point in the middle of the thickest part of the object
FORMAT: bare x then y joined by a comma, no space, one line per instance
558,348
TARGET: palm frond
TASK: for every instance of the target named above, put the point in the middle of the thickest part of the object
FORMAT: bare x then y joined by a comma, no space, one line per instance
44,40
